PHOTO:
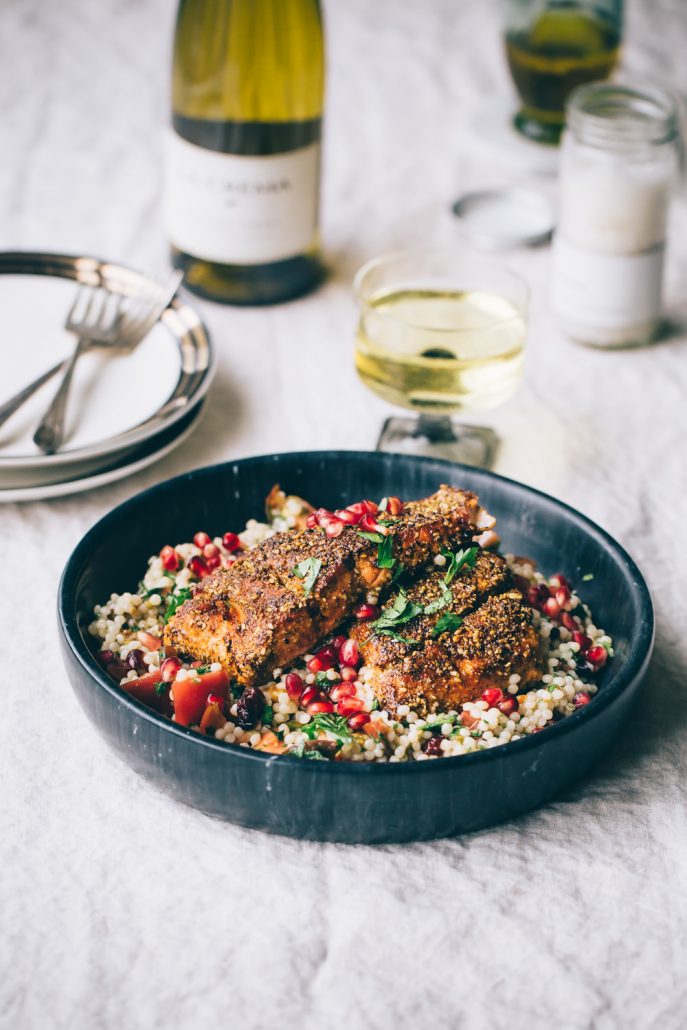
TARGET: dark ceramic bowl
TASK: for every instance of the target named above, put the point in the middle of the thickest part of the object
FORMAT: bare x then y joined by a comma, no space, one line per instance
351,802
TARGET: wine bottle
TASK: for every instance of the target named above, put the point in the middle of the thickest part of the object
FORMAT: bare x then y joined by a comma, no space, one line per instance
243,159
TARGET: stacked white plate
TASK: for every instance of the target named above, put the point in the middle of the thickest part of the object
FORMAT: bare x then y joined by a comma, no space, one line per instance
124,412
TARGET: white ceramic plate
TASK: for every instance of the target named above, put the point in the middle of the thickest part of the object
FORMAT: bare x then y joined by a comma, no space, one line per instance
116,403
140,459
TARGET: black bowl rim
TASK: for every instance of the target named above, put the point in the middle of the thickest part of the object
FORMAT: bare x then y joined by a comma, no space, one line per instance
635,666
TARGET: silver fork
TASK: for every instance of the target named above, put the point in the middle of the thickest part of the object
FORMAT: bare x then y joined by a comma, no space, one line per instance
101,319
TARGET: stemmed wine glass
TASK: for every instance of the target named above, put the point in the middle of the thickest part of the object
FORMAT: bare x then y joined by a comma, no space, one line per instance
440,332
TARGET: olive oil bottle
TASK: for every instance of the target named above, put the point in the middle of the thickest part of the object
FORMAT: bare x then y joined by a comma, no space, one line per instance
243,155
566,45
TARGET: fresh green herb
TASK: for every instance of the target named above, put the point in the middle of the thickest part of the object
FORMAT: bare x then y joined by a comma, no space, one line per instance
322,679
436,722
397,636
308,570
384,556
441,602
475,733
236,689
202,670
587,577
376,538
309,729
446,624
302,752
161,687
551,687
175,601
457,561
375,705
267,717
398,572
335,725
169,575
400,612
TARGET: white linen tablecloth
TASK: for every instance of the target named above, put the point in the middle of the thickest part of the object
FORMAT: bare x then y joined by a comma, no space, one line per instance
120,908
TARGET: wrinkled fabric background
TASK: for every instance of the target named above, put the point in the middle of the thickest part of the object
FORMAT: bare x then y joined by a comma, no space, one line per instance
120,908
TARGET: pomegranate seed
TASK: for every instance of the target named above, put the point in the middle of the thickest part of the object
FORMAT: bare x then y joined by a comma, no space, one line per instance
597,656
231,542
201,539
350,518
334,528
583,640
369,507
533,597
105,657
348,674
563,596
365,612
581,699
559,580
507,706
395,506
358,508
169,669
492,695
198,566
349,653
149,640
309,695
329,651
210,551
215,699
320,707
552,608
569,622
349,706
294,685
433,746
342,690
323,516
213,562
134,660
320,662
357,721
338,641
311,521
370,525
170,559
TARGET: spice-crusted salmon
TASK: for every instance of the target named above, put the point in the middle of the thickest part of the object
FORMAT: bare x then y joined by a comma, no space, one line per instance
258,614
479,637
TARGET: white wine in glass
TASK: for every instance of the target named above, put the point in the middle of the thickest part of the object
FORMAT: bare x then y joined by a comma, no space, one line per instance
440,333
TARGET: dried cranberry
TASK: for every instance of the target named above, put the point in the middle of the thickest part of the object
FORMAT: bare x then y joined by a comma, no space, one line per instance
250,707
433,746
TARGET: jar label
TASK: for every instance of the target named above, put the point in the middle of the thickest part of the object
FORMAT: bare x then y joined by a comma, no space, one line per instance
241,210
606,298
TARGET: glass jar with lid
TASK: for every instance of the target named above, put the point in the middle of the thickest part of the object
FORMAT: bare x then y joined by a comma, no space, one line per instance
618,165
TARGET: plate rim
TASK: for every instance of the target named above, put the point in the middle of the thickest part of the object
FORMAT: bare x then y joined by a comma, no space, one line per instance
55,265
637,662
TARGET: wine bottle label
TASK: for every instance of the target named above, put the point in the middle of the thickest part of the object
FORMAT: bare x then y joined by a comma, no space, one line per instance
241,210
606,298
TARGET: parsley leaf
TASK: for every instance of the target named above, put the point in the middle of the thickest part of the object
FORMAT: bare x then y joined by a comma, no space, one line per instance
400,612
457,561
376,538
384,556
398,572
447,623
175,601
322,679
161,688
267,717
302,752
441,602
335,725
308,570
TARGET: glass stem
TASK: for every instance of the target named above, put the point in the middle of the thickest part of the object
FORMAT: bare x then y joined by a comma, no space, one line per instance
436,428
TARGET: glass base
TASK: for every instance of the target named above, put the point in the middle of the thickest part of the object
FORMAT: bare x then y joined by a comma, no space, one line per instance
439,437
538,131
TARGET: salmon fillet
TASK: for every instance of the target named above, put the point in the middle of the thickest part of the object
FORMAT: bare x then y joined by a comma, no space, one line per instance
488,636
258,615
